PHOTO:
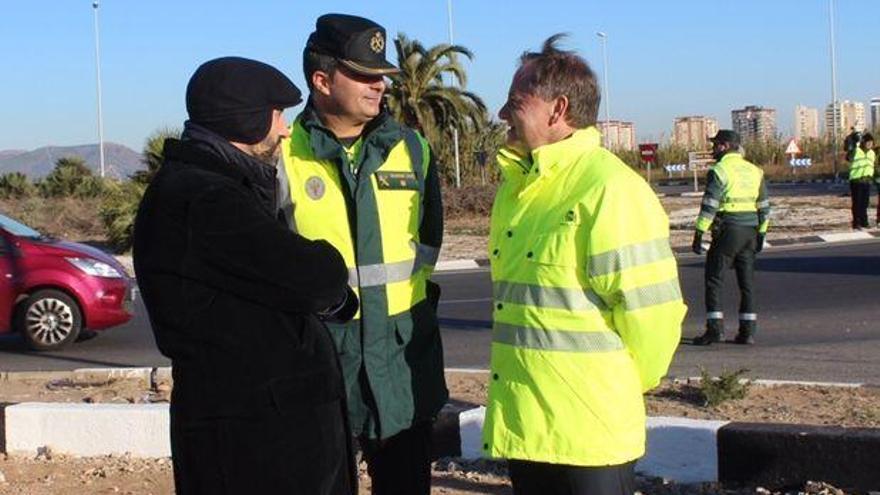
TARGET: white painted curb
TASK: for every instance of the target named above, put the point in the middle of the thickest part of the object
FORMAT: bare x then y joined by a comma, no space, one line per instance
680,449
456,265
846,236
89,429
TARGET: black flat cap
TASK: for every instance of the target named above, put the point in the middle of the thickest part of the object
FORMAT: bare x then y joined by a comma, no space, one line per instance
235,96
357,43
726,136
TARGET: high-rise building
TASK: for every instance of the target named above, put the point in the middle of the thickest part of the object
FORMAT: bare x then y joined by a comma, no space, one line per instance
806,123
754,123
875,113
849,114
693,131
621,135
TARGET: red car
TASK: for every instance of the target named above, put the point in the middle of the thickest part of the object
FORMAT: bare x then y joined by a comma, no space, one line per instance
50,290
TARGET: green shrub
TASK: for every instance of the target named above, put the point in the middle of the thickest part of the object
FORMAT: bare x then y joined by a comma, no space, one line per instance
726,386
68,175
16,185
118,210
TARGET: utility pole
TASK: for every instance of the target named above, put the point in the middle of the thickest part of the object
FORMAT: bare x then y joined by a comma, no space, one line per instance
605,96
835,105
454,129
98,74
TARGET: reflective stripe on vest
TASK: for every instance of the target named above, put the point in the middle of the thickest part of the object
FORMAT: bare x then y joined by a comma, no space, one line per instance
388,273
544,339
741,184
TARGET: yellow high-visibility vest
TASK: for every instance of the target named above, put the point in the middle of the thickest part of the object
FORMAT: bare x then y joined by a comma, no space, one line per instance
587,306
862,166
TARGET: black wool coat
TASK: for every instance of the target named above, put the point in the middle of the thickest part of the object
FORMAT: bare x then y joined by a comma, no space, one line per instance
258,403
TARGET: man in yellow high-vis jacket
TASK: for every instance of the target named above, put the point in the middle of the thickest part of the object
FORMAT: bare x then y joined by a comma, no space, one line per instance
587,303
861,175
369,186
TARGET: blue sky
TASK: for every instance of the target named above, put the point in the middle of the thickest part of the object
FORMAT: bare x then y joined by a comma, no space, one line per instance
666,58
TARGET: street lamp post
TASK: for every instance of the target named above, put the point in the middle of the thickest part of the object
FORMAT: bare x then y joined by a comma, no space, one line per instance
98,75
604,38
454,129
835,107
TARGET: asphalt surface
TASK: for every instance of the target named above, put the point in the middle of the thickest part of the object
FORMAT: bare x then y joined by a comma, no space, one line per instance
774,188
818,319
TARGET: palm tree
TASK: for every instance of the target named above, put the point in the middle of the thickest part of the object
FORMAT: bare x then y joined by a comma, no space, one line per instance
153,154
419,97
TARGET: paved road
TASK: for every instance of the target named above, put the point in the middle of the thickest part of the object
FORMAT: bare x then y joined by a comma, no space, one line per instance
775,189
819,318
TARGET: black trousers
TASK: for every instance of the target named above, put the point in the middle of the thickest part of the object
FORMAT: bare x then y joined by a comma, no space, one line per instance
538,478
400,465
861,194
731,244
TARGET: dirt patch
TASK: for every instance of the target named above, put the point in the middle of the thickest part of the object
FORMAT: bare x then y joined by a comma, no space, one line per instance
839,406
49,473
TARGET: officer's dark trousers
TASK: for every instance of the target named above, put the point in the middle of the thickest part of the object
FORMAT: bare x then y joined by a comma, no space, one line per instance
731,244
538,478
400,465
861,194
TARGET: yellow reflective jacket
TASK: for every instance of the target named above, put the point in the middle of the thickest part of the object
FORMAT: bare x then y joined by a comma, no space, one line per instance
736,193
587,305
862,167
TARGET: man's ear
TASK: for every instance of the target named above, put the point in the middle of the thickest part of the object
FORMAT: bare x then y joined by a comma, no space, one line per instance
321,82
560,108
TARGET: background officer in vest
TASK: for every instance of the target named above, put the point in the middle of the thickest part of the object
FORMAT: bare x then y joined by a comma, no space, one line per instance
861,174
588,307
369,186
737,208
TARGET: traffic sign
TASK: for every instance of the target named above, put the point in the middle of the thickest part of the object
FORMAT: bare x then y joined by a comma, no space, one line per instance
700,160
676,167
801,162
648,152
792,148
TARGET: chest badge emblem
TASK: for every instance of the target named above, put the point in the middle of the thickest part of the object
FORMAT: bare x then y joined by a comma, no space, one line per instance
315,187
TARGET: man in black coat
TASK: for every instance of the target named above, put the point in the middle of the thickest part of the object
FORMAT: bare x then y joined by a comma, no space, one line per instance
236,300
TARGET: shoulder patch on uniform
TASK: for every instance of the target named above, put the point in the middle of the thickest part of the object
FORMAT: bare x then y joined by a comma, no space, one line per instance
315,187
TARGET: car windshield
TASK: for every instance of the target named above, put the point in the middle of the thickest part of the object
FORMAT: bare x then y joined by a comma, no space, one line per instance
18,228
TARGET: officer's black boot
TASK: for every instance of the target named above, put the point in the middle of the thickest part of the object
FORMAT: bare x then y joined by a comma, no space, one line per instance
746,334
714,333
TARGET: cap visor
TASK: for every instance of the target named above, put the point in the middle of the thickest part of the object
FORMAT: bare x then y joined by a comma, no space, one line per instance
383,70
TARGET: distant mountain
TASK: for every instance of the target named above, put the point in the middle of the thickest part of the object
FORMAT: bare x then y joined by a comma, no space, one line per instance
120,161
9,153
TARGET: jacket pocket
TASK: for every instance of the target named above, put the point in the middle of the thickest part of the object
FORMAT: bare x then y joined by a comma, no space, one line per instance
556,247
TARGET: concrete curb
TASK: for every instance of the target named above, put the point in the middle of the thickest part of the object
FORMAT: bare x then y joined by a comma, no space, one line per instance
681,449
733,453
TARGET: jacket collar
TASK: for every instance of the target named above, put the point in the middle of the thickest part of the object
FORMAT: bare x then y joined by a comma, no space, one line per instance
382,132
205,149
545,160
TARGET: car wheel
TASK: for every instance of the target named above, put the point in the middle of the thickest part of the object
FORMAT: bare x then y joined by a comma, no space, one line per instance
49,320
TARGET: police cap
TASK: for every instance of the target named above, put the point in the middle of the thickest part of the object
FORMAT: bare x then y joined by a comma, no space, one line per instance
357,43
727,136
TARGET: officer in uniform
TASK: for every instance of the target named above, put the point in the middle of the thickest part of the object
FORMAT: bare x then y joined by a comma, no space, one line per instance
587,304
861,174
736,207
369,186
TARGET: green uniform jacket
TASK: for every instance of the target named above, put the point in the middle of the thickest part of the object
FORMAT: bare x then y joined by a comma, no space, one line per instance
391,353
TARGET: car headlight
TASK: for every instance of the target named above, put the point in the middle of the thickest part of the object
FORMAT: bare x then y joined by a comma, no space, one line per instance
94,267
